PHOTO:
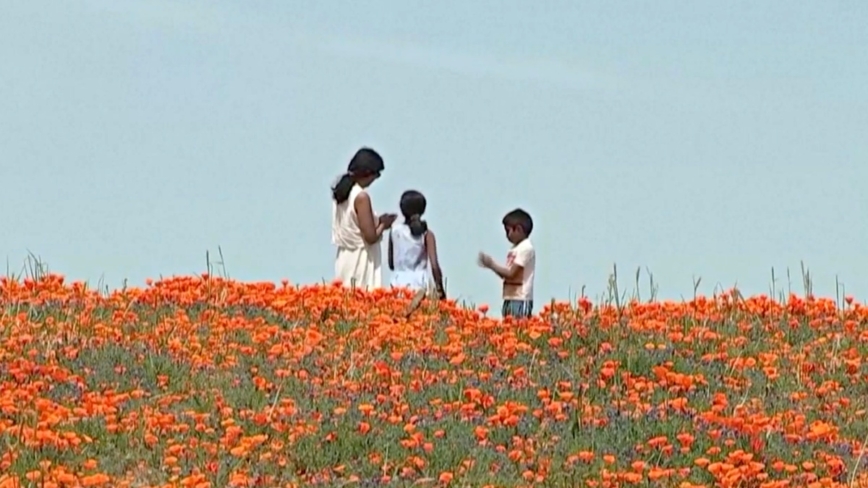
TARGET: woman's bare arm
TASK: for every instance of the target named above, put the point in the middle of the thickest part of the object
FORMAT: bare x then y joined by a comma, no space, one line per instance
371,232
434,262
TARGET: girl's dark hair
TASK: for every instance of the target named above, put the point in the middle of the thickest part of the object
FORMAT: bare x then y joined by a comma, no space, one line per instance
412,207
365,162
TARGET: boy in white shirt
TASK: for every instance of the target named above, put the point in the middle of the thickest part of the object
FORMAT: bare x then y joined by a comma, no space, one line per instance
518,273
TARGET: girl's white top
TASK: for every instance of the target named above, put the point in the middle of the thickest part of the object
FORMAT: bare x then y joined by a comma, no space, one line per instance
410,258
356,263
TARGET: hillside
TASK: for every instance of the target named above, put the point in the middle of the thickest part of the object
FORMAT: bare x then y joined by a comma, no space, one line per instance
199,381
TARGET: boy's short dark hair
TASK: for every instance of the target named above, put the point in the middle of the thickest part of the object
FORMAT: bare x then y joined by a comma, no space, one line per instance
519,218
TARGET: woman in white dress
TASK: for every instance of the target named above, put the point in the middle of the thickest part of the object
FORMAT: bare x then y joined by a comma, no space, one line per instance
356,231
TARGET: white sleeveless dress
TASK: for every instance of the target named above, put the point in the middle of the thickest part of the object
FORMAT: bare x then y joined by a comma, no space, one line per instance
357,263
410,259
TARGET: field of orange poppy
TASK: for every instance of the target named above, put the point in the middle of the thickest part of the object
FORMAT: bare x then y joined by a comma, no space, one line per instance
207,382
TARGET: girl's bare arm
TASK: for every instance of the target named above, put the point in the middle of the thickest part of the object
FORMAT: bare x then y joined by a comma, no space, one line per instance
431,246
391,257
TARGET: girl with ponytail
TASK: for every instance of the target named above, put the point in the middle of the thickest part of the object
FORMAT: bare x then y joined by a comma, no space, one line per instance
413,249
356,231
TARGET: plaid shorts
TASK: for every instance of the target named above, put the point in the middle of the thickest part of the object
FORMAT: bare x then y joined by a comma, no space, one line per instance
517,308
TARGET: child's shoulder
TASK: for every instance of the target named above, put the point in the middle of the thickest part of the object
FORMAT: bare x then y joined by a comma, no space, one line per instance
525,246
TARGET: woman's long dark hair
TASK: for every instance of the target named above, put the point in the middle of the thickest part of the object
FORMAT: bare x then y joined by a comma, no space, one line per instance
341,191
366,162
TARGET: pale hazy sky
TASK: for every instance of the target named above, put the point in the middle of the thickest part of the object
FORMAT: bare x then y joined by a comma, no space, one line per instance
705,138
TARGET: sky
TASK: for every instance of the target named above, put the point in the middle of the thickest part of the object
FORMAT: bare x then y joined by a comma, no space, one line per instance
705,139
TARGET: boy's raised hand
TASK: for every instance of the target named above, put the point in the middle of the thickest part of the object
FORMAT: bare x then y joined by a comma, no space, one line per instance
484,260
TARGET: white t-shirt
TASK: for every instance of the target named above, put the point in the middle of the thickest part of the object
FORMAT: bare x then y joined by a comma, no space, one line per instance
524,255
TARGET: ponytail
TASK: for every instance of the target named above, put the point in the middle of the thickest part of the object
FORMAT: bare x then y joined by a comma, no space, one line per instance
341,190
418,227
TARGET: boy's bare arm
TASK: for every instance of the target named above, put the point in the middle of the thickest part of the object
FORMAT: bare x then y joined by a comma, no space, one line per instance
511,273
514,271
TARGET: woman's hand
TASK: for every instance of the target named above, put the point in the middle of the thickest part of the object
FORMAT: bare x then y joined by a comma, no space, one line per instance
386,220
